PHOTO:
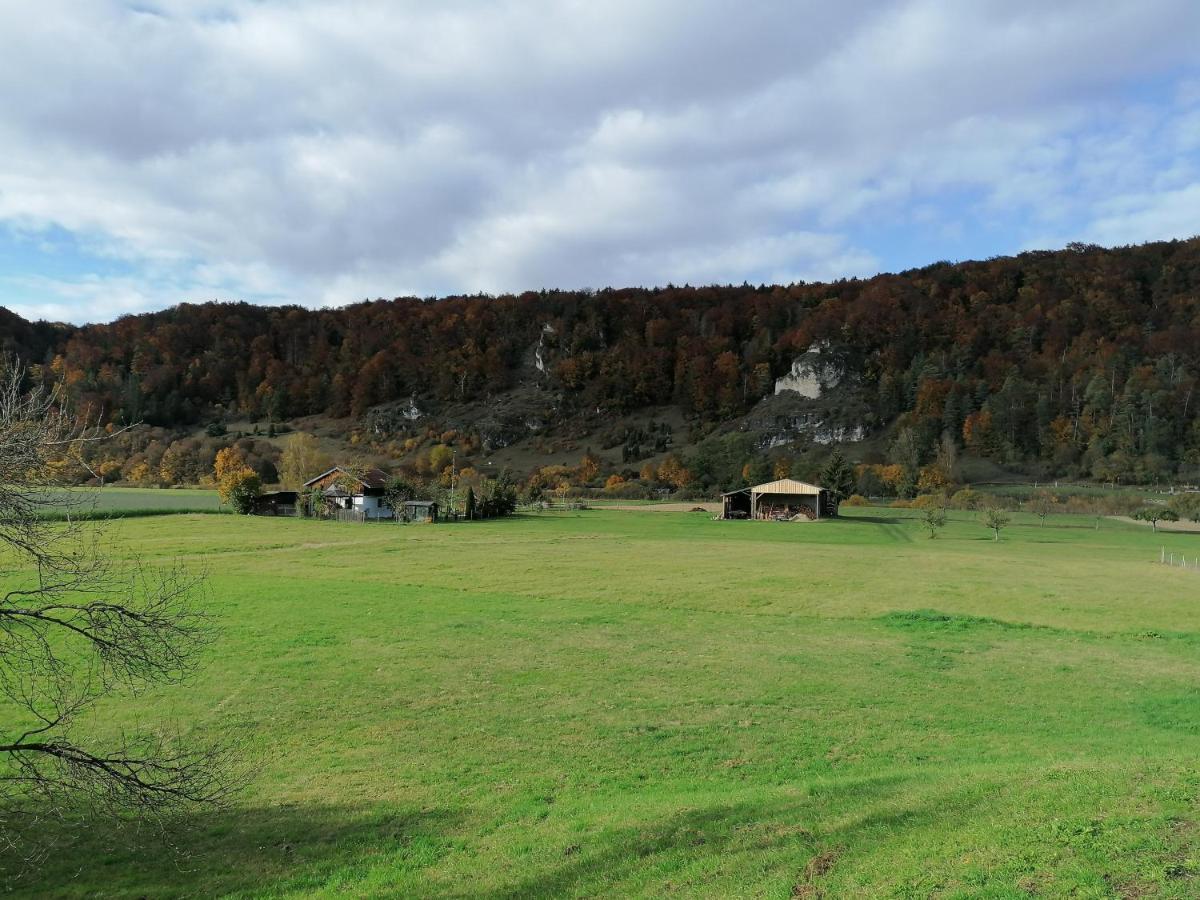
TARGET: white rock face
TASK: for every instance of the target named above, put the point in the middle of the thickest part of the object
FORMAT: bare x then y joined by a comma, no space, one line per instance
817,432
810,375
412,413
539,361
840,435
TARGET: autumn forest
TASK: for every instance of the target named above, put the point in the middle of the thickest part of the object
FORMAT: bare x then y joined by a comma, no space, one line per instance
1078,363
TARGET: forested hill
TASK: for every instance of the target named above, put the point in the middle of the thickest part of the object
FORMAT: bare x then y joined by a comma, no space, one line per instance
1085,359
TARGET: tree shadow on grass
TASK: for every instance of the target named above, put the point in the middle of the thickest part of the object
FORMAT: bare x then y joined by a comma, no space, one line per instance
735,837
236,851
364,851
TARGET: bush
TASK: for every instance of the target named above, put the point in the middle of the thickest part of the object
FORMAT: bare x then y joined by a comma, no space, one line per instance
871,484
498,497
930,501
614,483
1079,505
243,490
856,500
901,504
966,499
1186,506
630,490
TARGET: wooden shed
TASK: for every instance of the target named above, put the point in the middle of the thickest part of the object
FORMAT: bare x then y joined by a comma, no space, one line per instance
420,511
785,500
276,503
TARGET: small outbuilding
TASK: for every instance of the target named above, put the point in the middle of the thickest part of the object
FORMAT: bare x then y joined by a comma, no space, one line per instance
785,500
276,503
419,510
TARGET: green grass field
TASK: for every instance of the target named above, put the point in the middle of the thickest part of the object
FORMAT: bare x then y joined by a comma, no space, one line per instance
624,704
144,501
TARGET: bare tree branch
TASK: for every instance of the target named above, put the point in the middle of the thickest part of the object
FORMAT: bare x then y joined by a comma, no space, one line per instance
77,627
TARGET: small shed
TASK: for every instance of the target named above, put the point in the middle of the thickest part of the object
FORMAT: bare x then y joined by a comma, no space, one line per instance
784,500
420,510
276,503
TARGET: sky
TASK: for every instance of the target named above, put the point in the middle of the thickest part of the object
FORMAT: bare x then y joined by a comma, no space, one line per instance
283,151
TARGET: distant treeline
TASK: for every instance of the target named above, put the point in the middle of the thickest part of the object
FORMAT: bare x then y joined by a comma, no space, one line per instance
1083,361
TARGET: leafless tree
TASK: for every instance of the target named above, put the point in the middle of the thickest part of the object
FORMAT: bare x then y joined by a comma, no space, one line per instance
76,627
1041,504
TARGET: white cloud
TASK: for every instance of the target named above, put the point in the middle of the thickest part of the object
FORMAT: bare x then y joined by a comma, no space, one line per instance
321,153
1131,218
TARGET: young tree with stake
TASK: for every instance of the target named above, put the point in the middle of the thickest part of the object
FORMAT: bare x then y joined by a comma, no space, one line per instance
934,520
1041,504
996,518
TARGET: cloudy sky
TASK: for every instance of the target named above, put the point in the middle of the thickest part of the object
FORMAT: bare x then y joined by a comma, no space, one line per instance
283,151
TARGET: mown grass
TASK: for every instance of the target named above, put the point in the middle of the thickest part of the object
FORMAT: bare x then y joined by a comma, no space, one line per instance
646,704
92,514
173,500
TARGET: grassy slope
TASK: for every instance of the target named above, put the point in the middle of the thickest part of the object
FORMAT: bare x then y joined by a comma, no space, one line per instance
625,703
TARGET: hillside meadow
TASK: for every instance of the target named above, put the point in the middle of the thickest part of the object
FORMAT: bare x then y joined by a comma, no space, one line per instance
618,703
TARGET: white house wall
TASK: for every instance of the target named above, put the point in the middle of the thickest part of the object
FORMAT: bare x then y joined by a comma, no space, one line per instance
372,507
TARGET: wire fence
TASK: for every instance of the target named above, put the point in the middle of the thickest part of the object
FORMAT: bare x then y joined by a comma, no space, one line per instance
553,506
1179,560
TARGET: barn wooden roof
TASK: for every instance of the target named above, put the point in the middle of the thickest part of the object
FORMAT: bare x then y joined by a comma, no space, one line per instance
786,486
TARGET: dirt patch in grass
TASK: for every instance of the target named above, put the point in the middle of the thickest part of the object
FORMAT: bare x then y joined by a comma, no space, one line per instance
818,866
1168,527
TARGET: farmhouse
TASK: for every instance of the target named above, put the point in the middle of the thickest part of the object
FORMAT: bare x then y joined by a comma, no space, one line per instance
783,500
346,491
